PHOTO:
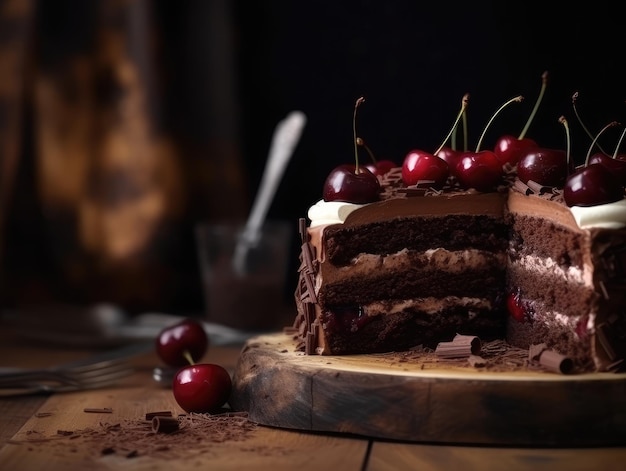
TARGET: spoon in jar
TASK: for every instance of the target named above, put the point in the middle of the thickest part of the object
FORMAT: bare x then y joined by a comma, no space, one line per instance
285,138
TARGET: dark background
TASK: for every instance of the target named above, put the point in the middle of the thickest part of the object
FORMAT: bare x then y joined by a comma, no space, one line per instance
413,62
218,75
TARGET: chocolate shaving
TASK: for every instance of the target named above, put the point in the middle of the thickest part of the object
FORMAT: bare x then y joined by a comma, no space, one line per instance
461,346
162,424
522,187
196,436
549,359
535,351
476,361
43,414
95,410
537,187
554,361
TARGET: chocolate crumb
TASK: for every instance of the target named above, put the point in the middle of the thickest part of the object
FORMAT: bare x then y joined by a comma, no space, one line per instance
197,434
96,410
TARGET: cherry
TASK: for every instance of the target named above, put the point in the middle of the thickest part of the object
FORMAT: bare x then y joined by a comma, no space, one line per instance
548,167
377,167
350,182
479,170
450,156
616,165
204,387
419,165
183,343
510,149
592,185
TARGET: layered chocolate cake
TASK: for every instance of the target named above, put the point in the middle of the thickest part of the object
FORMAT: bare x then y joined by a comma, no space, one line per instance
420,266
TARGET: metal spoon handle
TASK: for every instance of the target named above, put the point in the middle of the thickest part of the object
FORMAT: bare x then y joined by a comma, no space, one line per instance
285,138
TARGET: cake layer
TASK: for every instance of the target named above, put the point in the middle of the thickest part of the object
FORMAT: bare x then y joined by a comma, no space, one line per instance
405,330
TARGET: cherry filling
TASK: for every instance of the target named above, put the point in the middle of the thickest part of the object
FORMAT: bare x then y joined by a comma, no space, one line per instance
517,309
346,319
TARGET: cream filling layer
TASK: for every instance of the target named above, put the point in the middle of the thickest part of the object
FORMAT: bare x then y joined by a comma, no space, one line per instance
441,259
428,305
538,266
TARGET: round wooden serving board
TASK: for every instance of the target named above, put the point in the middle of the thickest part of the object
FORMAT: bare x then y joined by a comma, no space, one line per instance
386,397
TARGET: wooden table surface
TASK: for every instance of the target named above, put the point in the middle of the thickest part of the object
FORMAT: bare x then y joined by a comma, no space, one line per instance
54,432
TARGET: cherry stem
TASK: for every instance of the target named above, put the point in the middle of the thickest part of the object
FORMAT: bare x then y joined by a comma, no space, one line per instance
619,143
517,99
464,103
563,121
354,138
188,357
544,84
595,139
580,121
465,131
361,142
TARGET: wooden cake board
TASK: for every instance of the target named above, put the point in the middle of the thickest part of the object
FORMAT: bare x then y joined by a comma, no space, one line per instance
387,397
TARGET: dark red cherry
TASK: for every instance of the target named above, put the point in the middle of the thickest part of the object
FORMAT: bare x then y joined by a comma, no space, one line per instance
183,343
381,167
451,157
591,186
346,183
615,165
509,149
543,166
420,165
479,170
204,387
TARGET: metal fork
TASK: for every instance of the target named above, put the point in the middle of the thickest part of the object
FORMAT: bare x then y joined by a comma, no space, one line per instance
96,372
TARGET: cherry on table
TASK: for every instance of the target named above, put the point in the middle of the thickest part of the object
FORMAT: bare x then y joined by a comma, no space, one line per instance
203,387
183,343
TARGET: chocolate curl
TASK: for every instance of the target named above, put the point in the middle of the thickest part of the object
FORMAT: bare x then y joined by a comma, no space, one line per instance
461,346
549,359
537,187
162,424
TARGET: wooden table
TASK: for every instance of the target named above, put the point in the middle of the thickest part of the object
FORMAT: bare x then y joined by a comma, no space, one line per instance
54,432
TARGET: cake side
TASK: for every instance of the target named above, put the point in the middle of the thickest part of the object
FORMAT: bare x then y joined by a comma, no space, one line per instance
568,282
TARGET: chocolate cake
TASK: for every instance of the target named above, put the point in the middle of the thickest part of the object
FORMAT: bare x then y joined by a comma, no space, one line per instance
420,266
